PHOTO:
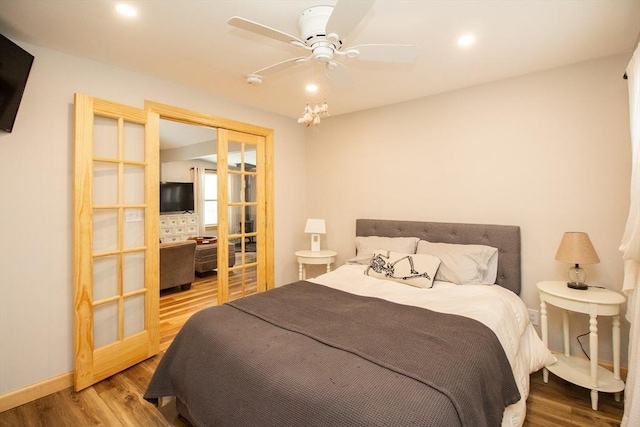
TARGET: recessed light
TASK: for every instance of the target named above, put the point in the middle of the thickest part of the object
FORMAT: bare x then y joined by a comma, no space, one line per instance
126,10
311,87
466,40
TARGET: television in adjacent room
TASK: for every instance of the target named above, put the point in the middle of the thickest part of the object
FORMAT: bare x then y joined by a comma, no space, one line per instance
15,65
176,197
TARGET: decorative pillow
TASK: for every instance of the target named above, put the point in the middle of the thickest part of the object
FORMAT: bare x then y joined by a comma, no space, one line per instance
463,264
367,245
411,269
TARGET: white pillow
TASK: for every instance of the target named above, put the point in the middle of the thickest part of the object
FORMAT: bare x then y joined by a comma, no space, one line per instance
367,245
463,264
411,269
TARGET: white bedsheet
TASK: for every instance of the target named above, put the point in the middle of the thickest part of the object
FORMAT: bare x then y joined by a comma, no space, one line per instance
498,308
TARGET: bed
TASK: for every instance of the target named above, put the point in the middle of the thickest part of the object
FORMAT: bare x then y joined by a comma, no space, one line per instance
369,344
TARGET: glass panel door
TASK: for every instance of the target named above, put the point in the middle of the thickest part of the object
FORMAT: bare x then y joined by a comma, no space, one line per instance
244,200
116,238
243,208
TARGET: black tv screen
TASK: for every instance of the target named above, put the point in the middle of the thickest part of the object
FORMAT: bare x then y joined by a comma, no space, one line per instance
176,197
15,65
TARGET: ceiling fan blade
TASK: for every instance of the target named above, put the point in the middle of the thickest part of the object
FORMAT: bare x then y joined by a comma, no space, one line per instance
263,30
346,15
339,76
399,53
272,69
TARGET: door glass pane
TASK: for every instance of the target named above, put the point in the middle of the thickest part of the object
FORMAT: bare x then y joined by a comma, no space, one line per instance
105,321
250,193
133,271
133,185
133,314
133,141
249,157
250,245
133,231
105,137
105,230
235,187
235,219
234,155
250,218
105,183
105,277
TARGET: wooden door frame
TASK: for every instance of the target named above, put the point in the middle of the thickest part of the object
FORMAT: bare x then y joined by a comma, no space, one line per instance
169,112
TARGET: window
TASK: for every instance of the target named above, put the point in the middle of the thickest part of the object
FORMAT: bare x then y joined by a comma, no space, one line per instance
210,197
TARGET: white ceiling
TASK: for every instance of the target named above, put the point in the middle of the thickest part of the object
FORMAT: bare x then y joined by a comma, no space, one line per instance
189,42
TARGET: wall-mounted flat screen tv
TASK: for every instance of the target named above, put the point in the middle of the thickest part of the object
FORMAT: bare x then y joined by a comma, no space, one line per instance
15,65
176,197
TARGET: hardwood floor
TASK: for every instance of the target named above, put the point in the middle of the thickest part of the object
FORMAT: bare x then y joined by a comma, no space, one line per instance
117,401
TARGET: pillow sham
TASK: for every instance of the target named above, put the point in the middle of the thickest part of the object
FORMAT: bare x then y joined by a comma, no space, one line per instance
369,244
410,269
463,264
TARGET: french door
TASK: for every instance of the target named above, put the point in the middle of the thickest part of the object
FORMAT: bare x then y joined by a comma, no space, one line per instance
116,232
242,213
245,200
115,238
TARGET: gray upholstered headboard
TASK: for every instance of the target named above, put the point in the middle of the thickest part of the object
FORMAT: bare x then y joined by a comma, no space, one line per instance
504,237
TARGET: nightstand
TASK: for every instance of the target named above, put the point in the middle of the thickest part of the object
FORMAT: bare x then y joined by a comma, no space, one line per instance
309,257
594,302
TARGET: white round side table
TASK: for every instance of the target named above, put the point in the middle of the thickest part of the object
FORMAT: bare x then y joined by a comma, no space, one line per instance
314,258
595,302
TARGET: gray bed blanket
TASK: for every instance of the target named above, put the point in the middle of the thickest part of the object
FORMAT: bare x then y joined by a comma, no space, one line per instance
308,355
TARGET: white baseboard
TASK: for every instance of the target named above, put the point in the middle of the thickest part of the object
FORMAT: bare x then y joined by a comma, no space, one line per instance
35,391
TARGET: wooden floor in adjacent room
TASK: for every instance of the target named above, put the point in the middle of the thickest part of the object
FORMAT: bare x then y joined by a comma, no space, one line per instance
117,401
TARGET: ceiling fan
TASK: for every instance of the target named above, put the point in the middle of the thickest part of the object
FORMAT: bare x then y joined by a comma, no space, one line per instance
322,31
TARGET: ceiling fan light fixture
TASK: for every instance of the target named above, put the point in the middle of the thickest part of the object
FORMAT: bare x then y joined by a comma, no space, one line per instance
311,116
321,31
322,53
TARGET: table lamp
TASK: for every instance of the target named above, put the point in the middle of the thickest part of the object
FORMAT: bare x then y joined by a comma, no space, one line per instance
315,227
576,248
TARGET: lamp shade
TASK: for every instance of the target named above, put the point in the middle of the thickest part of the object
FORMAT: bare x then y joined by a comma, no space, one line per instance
315,226
576,248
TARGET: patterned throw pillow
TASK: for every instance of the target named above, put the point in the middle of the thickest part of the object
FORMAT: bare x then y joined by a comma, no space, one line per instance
412,269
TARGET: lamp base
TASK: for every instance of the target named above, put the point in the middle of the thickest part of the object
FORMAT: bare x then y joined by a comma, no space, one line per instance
315,243
577,285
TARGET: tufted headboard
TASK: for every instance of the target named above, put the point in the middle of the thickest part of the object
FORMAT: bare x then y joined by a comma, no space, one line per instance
504,237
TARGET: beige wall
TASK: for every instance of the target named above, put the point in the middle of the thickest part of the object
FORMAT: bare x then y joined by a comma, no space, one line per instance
548,151
36,341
